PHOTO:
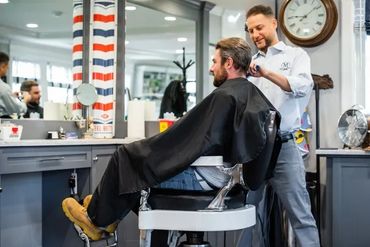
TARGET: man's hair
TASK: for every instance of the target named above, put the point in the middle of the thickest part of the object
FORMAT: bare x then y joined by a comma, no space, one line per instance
238,50
27,85
4,58
260,9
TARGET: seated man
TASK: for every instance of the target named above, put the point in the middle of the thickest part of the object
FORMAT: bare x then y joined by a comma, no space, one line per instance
33,104
229,122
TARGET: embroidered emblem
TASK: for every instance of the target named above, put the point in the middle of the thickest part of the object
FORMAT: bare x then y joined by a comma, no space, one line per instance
285,66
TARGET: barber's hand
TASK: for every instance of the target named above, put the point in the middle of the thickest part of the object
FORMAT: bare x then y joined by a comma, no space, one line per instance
26,97
255,70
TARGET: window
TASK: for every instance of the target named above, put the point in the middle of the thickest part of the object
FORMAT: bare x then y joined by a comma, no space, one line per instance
367,73
22,70
59,84
362,52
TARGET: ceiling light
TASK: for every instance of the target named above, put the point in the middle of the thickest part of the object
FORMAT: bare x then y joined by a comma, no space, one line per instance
179,51
57,13
182,39
32,25
4,1
127,42
233,18
170,18
130,8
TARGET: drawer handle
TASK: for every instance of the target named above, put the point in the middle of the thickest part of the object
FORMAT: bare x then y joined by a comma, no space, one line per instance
52,159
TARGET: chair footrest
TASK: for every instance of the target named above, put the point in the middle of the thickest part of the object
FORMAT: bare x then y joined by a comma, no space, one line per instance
227,220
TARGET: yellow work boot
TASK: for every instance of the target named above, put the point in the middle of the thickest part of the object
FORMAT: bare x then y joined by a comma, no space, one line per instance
86,201
110,228
78,215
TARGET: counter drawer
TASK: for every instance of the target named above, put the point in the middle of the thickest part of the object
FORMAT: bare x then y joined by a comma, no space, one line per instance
34,159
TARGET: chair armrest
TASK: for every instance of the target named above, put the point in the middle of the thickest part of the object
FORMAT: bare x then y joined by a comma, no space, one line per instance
208,161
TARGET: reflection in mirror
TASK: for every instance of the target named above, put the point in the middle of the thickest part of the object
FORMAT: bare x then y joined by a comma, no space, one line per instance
37,35
154,41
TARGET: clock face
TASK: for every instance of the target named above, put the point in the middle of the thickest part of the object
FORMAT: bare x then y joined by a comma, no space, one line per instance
305,19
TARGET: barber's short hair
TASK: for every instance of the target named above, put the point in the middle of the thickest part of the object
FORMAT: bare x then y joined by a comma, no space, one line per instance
4,58
260,9
27,85
238,50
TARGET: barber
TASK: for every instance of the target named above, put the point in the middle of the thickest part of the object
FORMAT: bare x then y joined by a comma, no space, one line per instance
283,74
9,102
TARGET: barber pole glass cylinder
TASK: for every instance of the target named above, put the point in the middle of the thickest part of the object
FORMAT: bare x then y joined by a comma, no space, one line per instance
77,53
103,43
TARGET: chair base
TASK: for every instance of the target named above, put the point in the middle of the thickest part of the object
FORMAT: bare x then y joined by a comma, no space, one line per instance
200,221
194,239
194,245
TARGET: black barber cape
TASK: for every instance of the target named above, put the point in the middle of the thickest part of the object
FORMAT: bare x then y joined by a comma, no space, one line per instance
229,122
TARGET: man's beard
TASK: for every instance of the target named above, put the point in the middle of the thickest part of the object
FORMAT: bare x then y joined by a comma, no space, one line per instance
268,43
219,80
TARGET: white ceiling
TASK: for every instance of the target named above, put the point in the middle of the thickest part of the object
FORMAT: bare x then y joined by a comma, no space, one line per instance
239,4
147,32
52,28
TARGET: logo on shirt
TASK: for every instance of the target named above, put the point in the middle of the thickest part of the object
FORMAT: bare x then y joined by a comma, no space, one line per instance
285,66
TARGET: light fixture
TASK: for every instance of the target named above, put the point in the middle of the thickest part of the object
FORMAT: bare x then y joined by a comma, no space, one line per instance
179,51
182,39
32,25
170,18
233,18
57,13
130,8
4,1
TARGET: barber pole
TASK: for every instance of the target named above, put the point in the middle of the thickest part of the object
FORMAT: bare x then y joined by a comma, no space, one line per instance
103,45
77,53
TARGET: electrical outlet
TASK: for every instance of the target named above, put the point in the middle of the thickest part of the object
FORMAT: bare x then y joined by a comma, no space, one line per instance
74,177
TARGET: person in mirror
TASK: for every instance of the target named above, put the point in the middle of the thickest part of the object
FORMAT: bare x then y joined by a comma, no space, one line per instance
9,102
33,103
235,112
174,99
283,74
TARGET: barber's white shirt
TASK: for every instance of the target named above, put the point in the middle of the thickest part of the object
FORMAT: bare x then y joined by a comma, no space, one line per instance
8,103
294,63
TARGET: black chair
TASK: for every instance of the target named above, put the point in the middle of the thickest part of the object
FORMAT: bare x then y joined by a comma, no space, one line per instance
195,212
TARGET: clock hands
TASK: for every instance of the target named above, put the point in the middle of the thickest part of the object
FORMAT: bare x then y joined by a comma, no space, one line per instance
295,16
306,15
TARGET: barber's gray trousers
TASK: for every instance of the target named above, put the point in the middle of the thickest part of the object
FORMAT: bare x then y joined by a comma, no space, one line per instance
289,183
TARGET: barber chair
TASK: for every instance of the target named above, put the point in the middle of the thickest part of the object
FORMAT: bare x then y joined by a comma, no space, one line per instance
195,212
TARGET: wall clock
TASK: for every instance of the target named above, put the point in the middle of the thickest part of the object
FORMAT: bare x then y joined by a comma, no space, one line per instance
308,23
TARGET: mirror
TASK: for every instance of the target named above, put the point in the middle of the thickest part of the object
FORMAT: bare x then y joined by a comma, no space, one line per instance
44,53
37,36
154,41
86,94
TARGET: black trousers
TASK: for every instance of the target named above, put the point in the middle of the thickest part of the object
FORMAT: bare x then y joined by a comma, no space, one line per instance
107,206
